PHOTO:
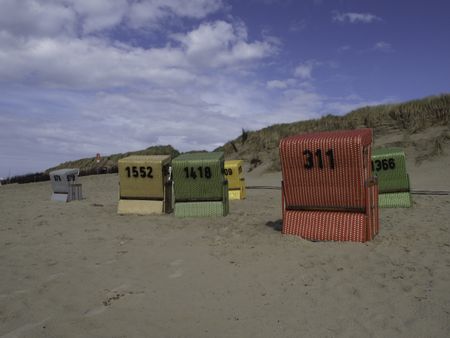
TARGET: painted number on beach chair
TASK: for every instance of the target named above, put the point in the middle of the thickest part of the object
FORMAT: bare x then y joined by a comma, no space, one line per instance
192,173
309,158
139,172
228,172
384,164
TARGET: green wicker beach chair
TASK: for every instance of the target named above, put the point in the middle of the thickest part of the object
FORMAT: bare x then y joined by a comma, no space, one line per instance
389,165
199,184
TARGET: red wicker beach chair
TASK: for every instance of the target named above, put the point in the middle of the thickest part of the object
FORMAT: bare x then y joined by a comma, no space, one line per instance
328,192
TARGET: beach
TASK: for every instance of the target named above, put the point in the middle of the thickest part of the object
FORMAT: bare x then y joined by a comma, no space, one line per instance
79,269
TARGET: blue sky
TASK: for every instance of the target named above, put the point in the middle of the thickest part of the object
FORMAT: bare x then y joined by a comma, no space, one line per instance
78,77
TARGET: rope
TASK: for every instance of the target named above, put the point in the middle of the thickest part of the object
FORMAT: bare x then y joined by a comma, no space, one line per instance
263,187
430,192
414,192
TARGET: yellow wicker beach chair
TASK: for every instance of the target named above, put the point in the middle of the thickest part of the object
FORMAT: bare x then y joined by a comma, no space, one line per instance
234,173
145,185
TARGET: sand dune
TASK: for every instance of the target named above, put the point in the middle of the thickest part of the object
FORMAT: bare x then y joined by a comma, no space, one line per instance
80,270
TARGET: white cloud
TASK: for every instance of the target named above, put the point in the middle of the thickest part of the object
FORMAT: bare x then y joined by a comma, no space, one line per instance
383,46
276,84
72,17
36,18
221,43
148,13
99,14
280,84
344,48
305,69
302,103
70,93
297,26
355,17
209,37
96,63
194,8
299,100
90,63
295,104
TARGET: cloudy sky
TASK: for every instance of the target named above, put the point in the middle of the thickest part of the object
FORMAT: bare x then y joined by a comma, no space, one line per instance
78,77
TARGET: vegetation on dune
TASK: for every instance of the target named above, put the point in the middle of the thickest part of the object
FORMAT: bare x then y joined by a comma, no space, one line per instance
110,161
405,118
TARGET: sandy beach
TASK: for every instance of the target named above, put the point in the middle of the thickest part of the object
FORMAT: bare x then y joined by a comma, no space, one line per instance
188,86
80,270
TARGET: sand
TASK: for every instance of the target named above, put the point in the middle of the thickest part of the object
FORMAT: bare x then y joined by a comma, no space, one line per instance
80,270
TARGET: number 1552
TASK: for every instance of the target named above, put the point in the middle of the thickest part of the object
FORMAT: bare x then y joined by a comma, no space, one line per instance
139,172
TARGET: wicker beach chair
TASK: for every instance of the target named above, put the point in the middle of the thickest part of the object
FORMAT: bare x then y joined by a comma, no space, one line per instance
236,181
145,185
389,165
65,185
200,186
328,192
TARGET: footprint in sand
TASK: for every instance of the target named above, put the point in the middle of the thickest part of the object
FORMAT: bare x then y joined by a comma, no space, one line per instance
95,311
178,272
54,276
176,262
17,292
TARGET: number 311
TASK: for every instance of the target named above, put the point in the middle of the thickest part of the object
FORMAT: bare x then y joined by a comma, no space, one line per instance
309,157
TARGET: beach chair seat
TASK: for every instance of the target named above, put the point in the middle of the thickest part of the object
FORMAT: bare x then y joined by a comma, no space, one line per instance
201,209
338,225
395,200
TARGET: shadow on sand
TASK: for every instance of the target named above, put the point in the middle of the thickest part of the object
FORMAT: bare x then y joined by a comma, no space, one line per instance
276,225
